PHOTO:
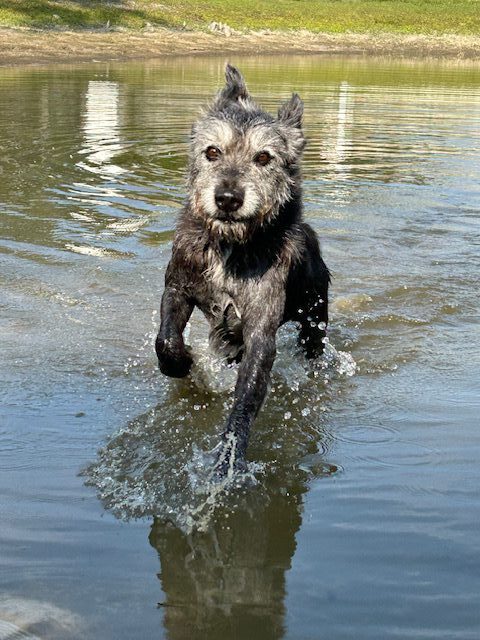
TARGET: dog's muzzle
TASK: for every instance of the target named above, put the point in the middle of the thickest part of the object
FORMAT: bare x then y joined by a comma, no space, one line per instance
229,200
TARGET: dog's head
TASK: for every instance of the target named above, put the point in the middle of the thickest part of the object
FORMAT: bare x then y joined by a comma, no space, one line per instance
244,163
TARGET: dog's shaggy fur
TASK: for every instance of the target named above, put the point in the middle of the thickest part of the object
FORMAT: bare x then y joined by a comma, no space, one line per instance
241,252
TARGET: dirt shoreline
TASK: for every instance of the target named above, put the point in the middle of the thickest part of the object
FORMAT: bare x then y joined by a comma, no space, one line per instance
35,47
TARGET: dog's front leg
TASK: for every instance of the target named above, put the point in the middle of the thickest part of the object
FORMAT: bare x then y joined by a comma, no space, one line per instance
173,358
259,331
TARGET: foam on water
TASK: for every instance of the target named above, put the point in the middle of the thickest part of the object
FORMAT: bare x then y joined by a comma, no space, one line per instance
21,618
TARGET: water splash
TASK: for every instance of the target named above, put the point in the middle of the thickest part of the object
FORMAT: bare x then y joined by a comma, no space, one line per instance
341,361
210,372
162,463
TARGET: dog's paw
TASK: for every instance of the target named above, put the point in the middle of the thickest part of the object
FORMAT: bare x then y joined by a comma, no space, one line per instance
175,364
175,368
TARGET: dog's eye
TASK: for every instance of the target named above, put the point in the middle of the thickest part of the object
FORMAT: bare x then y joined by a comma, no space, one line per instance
212,153
263,158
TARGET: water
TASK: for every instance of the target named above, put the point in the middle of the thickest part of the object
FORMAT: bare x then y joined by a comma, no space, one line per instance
359,515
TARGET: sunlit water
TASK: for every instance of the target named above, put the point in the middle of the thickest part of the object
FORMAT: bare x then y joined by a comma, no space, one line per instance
359,515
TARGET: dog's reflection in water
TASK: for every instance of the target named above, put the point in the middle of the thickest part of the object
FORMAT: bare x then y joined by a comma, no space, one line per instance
229,581
226,578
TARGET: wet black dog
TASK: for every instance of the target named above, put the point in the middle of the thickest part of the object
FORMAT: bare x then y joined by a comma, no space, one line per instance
241,252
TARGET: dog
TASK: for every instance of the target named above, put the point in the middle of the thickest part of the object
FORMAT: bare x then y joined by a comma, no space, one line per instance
241,252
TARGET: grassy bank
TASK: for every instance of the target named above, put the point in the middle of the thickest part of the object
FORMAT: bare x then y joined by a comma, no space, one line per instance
428,17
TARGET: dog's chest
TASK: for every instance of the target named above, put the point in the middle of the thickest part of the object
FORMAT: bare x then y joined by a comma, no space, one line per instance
223,289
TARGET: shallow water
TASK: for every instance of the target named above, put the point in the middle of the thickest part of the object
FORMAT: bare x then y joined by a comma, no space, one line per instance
359,517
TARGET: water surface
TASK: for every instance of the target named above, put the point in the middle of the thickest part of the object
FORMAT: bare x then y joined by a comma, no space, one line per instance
361,516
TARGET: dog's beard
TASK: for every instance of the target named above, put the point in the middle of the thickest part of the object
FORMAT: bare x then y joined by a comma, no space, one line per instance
231,231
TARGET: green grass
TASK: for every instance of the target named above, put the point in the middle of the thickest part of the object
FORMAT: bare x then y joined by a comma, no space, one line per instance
332,16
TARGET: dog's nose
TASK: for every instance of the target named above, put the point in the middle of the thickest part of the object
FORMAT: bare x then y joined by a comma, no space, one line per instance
228,200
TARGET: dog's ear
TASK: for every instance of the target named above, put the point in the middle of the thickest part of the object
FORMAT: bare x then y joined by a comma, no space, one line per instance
291,112
290,117
235,86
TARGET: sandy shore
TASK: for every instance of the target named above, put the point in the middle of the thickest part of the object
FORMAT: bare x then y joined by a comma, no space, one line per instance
18,46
